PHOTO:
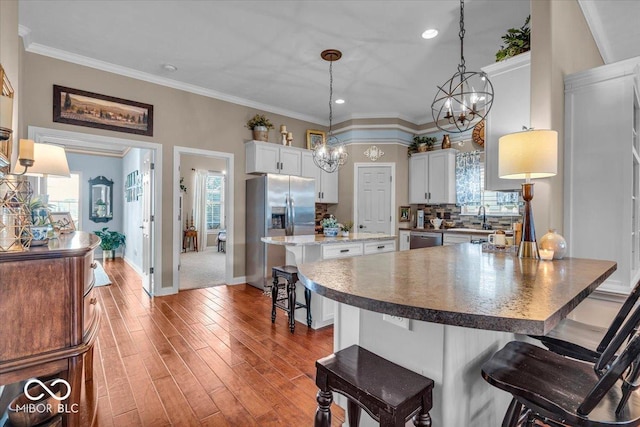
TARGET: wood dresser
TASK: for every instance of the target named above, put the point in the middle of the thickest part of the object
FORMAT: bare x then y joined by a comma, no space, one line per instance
50,318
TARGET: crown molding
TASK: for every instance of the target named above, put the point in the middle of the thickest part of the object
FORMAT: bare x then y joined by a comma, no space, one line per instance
597,31
25,33
63,55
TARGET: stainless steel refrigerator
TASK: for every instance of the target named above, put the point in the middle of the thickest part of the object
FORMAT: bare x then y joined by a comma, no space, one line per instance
277,205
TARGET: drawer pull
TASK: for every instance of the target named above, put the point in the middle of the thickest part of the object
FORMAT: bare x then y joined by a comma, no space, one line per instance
381,247
94,265
93,301
344,250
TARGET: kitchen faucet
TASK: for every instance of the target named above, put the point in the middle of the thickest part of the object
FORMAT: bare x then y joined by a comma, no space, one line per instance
482,213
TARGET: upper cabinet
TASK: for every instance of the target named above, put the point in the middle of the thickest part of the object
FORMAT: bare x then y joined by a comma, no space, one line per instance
511,111
432,177
326,183
602,170
263,157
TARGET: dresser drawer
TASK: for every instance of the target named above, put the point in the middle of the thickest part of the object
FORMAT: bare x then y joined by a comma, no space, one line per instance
89,266
90,302
341,250
379,247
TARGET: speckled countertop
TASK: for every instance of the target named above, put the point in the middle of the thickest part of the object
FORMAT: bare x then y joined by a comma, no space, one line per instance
319,239
461,285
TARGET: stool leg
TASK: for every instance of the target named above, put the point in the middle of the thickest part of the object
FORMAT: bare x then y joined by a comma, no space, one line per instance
307,301
422,418
274,297
512,416
323,413
291,293
353,411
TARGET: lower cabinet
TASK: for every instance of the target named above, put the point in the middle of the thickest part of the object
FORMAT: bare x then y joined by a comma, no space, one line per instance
404,240
452,239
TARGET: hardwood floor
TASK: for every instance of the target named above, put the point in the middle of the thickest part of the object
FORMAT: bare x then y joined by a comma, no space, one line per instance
203,357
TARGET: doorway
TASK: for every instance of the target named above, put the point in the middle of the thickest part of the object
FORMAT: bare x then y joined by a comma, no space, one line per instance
203,218
110,147
374,197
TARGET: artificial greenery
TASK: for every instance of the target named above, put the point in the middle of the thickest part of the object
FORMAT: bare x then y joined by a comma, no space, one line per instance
110,240
330,222
516,41
418,140
347,226
259,120
39,212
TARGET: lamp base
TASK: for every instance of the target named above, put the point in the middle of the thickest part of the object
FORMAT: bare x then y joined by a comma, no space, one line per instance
528,250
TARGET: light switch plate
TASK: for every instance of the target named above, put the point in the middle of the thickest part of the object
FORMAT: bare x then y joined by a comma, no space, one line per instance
402,322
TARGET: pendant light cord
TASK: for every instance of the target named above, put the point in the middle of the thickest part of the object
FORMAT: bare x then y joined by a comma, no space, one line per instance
330,95
461,67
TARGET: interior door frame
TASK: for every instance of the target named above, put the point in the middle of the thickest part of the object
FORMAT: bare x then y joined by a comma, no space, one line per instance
78,139
178,151
356,169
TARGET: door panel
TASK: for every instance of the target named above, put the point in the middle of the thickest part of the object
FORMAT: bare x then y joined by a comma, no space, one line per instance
147,223
374,199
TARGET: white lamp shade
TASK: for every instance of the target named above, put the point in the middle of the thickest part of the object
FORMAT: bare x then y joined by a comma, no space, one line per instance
6,112
47,160
528,154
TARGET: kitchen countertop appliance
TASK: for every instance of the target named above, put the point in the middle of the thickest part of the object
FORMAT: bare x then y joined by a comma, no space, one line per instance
424,239
276,205
419,218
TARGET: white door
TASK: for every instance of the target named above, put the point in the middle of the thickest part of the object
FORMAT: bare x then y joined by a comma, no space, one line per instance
374,199
147,222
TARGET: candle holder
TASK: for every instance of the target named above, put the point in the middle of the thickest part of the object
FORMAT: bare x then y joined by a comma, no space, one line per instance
284,137
289,138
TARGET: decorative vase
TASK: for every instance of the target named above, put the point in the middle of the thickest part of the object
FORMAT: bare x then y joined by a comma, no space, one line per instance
555,242
331,232
261,133
446,142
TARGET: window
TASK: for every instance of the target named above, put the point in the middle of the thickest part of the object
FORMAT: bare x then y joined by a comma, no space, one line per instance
214,209
469,189
64,195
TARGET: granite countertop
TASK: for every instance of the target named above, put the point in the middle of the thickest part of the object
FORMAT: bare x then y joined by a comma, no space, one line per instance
319,239
457,230
461,285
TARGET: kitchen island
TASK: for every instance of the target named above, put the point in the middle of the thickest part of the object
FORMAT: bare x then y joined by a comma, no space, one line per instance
448,310
311,248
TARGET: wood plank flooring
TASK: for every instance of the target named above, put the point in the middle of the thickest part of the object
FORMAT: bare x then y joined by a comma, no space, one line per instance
203,357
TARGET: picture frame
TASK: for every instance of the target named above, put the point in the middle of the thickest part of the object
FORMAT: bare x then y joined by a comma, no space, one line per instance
62,222
405,214
315,137
89,109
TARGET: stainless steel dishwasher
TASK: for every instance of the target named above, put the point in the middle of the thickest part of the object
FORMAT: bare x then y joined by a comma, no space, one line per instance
424,239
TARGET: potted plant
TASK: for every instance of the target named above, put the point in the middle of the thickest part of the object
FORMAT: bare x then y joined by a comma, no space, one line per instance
260,126
420,144
517,41
330,227
346,228
39,211
110,241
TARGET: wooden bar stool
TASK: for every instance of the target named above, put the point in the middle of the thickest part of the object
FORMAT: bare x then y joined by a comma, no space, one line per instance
388,392
288,303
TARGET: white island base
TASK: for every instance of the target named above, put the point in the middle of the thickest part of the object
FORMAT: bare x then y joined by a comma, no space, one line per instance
450,355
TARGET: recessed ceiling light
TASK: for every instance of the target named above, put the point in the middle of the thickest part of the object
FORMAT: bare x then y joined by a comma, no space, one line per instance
430,33
169,67
339,101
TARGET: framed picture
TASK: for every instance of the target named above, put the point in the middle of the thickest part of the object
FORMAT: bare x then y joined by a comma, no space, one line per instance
62,221
405,214
81,108
314,137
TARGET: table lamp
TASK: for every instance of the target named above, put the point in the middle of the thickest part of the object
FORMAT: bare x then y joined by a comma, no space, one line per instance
524,155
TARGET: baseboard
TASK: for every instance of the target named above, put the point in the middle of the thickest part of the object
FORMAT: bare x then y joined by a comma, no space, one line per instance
133,266
240,280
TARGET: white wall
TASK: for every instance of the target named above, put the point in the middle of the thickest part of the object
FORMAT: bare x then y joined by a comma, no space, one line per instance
132,211
90,166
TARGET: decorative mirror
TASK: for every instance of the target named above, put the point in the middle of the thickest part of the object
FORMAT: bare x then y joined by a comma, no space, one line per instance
100,199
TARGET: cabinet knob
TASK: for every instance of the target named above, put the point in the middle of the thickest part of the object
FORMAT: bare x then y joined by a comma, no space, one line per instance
93,301
94,265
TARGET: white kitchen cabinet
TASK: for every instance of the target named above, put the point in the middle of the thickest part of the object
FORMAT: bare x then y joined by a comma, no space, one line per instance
602,169
326,183
404,240
511,111
454,239
263,157
379,247
432,177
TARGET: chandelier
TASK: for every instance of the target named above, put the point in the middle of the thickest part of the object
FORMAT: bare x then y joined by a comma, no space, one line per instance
331,153
465,98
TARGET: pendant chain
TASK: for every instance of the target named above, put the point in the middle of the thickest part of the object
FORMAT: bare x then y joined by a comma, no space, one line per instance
461,67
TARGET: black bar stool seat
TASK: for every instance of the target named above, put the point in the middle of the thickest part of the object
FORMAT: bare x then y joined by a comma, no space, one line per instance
388,392
288,301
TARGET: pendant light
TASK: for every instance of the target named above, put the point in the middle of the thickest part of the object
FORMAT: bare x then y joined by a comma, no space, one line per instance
464,99
331,153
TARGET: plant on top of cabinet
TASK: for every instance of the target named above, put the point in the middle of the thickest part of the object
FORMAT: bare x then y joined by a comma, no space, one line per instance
517,41
260,126
420,144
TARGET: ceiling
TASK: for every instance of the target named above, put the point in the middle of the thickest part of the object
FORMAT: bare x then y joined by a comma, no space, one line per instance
266,54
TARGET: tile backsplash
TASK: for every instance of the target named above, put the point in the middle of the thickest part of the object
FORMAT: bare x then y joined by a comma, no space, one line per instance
452,213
